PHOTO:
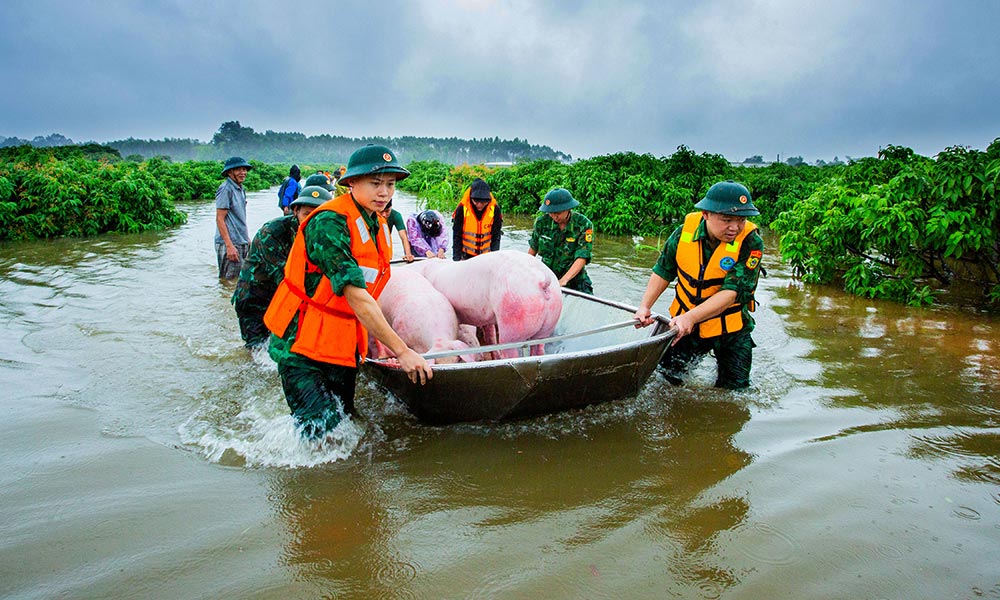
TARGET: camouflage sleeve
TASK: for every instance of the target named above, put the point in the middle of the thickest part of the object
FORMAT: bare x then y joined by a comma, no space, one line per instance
274,242
535,233
666,265
328,246
742,279
585,240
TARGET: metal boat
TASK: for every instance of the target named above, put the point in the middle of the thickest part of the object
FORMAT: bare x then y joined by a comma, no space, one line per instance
595,355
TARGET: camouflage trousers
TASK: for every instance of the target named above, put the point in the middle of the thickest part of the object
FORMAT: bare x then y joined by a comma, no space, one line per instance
252,328
319,394
733,353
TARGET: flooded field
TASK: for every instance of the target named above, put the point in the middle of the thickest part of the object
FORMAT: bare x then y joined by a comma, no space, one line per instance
147,454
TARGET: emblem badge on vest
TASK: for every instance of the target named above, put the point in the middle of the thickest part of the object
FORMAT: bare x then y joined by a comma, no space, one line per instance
727,263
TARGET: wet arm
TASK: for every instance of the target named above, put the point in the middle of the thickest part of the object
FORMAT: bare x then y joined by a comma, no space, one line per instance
654,288
573,271
220,222
407,251
718,302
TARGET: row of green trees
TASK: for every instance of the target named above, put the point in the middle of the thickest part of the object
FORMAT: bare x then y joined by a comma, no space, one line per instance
89,190
897,226
290,147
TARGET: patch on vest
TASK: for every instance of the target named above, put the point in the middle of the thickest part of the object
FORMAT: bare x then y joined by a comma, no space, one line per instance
727,263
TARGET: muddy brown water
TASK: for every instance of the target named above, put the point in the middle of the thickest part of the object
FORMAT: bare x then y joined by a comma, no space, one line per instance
146,454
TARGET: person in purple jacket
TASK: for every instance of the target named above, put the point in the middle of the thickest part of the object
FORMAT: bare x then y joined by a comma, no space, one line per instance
427,234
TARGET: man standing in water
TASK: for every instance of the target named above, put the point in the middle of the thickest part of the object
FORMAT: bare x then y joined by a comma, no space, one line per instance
715,256
564,240
232,238
326,305
476,222
264,267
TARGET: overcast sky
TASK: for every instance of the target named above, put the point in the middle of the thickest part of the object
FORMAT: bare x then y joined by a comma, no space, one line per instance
739,78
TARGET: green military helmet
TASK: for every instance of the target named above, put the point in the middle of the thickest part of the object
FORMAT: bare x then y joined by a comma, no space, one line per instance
558,200
312,195
234,162
370,160
320,180
728,198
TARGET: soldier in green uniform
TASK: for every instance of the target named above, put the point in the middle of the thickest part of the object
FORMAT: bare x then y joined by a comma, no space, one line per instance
264,266
564,240
715,256
327,277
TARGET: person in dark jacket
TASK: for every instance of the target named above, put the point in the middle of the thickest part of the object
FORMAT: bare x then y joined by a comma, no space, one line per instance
476,222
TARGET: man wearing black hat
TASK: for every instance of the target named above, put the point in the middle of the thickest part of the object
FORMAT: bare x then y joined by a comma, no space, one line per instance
232,237
476,222
715,256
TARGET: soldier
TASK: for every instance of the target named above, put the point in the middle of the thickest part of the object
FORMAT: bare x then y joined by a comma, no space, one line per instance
715,256
326,305
264,267
564,240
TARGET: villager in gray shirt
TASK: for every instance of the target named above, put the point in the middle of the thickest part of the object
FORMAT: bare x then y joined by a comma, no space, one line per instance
232,237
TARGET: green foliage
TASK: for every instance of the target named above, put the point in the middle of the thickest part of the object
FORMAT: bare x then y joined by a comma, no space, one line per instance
88,190
621,193
900,226
76,196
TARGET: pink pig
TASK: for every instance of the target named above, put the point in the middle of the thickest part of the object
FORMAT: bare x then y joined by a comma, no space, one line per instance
421,315
510,290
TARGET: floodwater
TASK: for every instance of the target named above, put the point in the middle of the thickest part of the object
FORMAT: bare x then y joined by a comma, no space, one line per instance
146,454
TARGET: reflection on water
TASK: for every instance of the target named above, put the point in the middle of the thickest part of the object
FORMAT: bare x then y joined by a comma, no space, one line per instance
524,509
936,369
146,450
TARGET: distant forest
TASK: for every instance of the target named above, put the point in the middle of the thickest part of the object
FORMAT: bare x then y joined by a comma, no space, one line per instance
233,139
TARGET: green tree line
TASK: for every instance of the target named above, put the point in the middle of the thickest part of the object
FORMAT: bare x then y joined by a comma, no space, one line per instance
233,139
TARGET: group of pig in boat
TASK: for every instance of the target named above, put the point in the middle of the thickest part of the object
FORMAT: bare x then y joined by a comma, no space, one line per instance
501,297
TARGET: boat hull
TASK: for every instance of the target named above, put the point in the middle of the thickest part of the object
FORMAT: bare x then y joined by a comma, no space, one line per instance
571,374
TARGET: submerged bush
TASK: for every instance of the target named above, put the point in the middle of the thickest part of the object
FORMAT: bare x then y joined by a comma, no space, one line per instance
83,190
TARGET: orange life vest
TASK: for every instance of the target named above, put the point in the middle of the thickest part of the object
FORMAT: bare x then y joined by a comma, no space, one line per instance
476,233
328,329
697,281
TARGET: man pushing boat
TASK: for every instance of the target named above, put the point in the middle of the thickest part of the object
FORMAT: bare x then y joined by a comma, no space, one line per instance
326,305
715,256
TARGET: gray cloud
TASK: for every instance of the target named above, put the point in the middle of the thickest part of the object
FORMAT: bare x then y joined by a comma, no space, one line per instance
737,78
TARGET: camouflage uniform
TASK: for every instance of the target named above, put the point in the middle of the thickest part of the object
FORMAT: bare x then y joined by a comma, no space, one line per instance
558,248
733,351
262,271
321,394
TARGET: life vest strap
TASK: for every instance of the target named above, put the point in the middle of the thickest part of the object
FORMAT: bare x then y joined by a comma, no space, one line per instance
301,295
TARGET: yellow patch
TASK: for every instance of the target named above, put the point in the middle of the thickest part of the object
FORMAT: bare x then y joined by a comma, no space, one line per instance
752,262
589,236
